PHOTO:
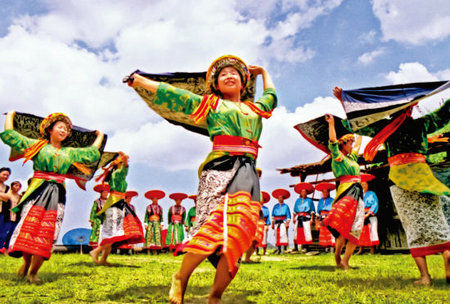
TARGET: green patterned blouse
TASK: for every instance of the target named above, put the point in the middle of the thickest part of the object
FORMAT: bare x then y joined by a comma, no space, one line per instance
118,180
230,118
49,158
191,213
343,164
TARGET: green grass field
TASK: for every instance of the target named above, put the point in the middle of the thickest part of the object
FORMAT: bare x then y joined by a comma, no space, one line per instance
72,278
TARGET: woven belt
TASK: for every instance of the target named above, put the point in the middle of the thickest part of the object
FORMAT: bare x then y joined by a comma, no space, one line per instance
406,158
279,218
119,194
303,214
349,179
154,218
59,178
176,218
235,145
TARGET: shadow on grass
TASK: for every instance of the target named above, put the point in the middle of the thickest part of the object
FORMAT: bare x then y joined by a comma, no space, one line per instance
377,283
317,267
194,294
46,277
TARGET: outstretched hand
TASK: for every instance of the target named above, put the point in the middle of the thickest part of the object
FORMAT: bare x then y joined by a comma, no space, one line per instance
329,118
338,93
255,69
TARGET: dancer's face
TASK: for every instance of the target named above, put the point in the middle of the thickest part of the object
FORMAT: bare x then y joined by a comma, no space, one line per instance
365,186
155,200
16,187
59,132
280,199
326,193
229,81
347,147
303,193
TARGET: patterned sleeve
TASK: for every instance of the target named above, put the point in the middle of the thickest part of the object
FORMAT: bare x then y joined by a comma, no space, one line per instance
334,149
16,140
268,101
438,119
183,216
84,155
176,99
93,211
146,216
118,179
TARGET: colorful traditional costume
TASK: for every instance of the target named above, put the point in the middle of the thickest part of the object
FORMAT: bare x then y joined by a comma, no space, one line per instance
369,235
191,219
176,218
44,201
228,197
153,219
120,225
323,208
346,216
281,215
264,221
416,191
96,220
304,210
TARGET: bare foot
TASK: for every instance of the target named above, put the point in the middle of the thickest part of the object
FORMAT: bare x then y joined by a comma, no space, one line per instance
337,258
105,264
214,300
423,281
345,266
33,279
94,256
22,271
176,292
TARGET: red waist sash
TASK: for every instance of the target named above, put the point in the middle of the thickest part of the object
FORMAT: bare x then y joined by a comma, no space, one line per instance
154,218
119,194
235,145
59,178
176,218
349,179
303,214
324,212
279,218
406,158
193,219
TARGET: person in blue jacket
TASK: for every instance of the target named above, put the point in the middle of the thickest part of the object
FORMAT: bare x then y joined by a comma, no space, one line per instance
281,216
304,212
369,235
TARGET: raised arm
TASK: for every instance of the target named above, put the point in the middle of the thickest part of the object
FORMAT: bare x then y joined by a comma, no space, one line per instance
268,101
136,80
357,144
267,80
331,129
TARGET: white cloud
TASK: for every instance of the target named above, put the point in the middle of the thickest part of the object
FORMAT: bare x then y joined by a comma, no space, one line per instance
410,72
413,21
368,37
369,57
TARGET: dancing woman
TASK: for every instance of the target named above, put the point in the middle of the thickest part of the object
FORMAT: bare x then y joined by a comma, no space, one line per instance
228,197
346,217
415,191
44,201
120,225
94,219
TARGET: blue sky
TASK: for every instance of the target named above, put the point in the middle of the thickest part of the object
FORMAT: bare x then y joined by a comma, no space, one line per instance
71,55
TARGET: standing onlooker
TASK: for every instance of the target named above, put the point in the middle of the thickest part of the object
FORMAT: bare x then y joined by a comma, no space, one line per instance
369,235
281,216
10,219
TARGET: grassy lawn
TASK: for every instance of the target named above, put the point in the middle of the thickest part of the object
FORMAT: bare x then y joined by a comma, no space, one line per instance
72,278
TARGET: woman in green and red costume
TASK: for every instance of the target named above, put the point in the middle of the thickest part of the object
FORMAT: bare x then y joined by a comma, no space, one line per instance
346,217
229,187
191,219
120,224
152,220
44,201
94,219
416,191
176,218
